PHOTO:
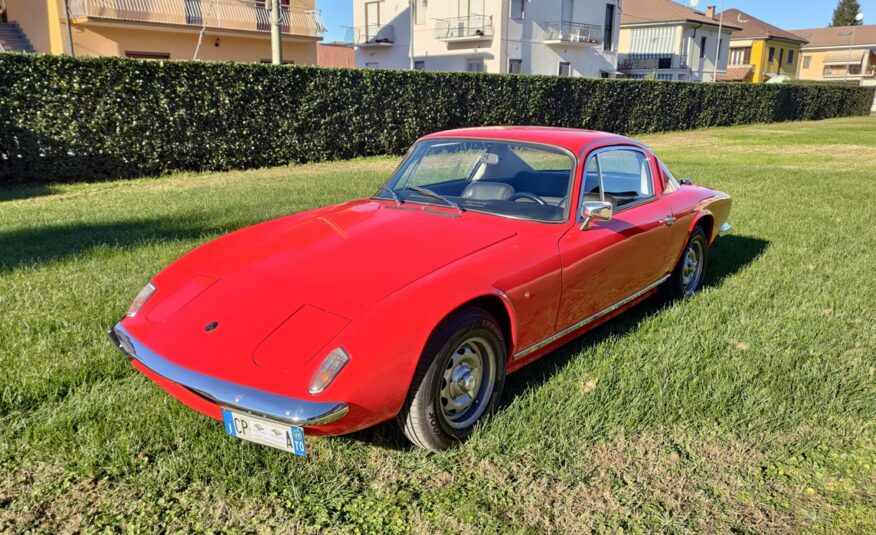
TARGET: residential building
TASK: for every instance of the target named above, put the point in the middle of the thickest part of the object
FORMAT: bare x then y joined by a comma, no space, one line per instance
550,37
236,30
338,55
670,41
760,51
838,53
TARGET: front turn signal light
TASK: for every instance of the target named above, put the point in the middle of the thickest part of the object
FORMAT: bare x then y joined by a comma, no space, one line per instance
328,370
141,299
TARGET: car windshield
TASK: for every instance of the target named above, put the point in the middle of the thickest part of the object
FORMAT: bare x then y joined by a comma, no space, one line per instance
510,179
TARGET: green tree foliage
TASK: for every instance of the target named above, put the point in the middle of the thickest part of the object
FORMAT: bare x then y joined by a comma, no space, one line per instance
845,12
66,119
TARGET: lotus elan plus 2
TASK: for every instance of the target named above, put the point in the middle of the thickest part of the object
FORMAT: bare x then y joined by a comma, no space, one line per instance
485,250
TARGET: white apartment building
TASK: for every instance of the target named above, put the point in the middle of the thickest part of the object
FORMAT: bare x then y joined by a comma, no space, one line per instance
672,41
551,37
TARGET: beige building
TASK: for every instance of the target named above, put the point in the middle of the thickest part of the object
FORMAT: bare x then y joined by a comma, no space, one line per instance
838,53
235,30
669,41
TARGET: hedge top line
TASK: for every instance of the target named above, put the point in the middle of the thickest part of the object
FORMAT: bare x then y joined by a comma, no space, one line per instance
68,118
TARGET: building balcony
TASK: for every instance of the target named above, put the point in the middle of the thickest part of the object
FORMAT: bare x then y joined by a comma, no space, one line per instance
470,28
572,34
230,16
374,35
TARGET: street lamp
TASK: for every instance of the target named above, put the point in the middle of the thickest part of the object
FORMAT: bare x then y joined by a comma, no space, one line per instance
859,18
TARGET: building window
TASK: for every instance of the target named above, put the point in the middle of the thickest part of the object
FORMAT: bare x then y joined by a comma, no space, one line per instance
665,77
608,37
371,65
855,69
419,65
565,69
518,9
474,65
147,55
740,56
703,43
664,63
790,57
515,66
419,11
772,54
807,62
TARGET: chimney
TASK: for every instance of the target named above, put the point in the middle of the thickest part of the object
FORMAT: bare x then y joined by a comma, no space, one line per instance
710,12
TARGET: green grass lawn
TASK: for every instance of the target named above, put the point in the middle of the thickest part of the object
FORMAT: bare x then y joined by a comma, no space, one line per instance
748,408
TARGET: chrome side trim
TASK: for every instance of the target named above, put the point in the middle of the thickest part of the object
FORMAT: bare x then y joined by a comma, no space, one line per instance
725,228
588,320
226,394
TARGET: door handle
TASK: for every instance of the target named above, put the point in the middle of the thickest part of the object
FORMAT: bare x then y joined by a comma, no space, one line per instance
668,221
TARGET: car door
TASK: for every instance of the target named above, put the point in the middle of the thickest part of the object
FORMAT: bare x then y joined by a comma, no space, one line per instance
611,261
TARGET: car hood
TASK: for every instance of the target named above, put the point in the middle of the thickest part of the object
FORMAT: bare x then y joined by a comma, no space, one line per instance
279,293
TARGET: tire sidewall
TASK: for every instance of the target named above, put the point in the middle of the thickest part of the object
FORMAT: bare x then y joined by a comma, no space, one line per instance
480,325
678,281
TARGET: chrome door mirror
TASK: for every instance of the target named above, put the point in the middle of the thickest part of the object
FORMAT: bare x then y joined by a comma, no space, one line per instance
595,210
686,182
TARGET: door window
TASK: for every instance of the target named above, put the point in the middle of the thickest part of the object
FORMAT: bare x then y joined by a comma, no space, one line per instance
618,176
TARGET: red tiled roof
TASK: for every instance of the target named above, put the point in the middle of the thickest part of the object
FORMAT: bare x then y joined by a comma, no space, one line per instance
736,74
650,11
754,28
838,36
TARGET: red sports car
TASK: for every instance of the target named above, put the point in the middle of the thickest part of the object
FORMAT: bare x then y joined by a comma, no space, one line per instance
485,250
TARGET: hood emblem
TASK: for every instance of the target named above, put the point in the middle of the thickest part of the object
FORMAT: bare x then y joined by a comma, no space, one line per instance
212,325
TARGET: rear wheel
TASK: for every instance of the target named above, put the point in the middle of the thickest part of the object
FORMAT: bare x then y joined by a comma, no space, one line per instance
688,275
458,381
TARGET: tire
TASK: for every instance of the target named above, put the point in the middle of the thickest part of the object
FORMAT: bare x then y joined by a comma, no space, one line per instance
458,381
688,275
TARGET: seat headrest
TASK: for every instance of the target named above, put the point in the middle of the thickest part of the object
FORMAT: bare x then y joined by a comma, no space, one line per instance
487,191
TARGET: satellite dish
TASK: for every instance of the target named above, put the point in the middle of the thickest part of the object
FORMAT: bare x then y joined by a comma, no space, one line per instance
693,3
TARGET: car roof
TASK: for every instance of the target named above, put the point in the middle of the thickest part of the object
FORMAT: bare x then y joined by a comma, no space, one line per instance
572,139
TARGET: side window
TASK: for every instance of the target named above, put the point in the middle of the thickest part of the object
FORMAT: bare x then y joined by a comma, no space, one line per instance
626,176
670,184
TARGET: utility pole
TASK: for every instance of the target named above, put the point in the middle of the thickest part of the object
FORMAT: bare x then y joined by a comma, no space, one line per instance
859,18
412,10
276,37
720,38
69,29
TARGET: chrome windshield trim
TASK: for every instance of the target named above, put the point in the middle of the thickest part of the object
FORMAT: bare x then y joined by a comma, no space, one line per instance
725,228
588,320
272,406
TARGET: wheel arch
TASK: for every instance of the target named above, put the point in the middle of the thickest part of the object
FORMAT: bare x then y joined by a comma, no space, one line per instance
499,306
706,220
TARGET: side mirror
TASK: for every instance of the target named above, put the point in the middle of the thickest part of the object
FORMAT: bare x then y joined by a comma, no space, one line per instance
686,182
595,210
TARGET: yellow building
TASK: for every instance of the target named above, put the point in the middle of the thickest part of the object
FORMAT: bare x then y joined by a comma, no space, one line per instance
760,51
236,30
839,53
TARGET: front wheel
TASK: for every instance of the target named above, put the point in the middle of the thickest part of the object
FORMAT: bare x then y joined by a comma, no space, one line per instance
458,381
688,275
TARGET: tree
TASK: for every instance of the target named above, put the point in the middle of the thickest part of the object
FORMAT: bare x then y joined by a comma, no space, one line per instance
844,14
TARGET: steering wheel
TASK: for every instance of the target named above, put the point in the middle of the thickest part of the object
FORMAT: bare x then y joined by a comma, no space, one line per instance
523,195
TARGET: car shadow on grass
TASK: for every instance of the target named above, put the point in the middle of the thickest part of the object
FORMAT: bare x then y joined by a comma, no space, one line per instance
728,256
45,244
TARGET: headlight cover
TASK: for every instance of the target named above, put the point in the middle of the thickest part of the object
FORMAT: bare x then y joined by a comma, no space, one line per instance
141,299
328,370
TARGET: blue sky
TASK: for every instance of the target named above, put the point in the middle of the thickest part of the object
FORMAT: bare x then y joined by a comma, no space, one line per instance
788,14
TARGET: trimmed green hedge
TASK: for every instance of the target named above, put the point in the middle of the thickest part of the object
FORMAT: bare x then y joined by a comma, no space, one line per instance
67,119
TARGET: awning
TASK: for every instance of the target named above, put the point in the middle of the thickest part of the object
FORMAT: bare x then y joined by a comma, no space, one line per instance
842,58
736,74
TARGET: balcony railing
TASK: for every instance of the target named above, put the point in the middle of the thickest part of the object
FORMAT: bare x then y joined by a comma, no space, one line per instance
470,28
572,33
371,35
230,15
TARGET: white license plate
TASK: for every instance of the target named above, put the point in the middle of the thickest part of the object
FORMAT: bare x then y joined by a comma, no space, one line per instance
266,432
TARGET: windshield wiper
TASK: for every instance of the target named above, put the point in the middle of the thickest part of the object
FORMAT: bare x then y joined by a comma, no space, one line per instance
392,192
429,193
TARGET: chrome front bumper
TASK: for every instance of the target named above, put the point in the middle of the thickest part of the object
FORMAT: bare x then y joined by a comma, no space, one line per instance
271,406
